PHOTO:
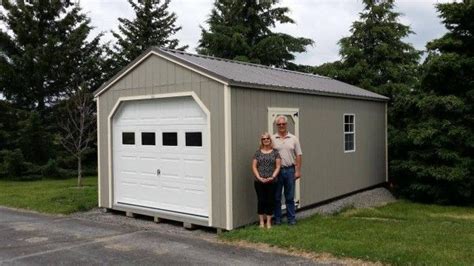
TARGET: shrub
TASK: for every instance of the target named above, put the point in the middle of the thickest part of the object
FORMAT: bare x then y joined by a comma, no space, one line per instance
50,169
13,163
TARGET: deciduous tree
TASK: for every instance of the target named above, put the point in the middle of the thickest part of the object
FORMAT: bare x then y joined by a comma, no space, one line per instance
78,126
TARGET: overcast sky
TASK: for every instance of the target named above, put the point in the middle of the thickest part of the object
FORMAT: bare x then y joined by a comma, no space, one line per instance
324,21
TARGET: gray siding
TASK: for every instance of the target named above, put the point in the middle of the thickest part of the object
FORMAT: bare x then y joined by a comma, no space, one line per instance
327,171
156,75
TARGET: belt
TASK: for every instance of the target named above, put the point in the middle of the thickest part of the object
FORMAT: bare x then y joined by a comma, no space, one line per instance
286,167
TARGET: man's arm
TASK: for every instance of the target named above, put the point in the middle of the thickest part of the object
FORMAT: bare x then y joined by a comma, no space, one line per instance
298,166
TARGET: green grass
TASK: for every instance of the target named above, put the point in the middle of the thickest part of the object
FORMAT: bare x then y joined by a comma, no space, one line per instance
400,233
50,196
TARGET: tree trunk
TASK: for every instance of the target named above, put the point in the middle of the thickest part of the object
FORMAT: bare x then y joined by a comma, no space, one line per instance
79,171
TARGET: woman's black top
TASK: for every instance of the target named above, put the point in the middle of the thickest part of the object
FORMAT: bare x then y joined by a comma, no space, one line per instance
266,162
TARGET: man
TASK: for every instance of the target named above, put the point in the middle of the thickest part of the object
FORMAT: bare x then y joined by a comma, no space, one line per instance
289,148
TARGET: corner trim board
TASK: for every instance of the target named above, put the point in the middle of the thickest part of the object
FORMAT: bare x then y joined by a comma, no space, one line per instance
386,144
228,156
98,153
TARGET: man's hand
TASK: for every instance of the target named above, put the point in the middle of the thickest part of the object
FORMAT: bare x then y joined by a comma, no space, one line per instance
297,174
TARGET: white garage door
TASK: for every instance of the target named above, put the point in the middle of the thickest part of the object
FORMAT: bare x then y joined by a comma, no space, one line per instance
161,155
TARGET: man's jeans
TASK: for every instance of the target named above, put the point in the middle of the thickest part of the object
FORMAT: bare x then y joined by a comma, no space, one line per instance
286,181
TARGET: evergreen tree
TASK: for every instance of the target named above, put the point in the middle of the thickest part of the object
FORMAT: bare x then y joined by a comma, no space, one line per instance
44,52
241,30
153,25
375,57
34,141
440,164
8,125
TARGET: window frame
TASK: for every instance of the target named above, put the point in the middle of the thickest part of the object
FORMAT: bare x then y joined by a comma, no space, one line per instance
349,132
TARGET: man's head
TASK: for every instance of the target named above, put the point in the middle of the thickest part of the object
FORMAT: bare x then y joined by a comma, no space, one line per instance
281,122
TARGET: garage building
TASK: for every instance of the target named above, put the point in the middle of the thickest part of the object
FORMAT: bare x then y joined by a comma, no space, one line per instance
177,132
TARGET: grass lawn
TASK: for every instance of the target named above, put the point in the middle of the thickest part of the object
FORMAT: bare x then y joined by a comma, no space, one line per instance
398,233
50,196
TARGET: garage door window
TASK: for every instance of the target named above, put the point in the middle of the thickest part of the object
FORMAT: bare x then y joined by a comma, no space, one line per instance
170,139
128,138
194,139
148,138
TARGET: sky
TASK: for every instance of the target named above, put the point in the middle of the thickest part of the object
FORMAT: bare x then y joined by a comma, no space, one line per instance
324,21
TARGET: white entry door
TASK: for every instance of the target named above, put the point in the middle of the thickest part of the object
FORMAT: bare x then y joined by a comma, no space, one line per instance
161,155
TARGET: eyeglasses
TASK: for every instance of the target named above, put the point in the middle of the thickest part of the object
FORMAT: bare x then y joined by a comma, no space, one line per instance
281,124
265,138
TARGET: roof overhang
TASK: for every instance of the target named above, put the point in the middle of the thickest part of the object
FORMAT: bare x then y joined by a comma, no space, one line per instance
155,51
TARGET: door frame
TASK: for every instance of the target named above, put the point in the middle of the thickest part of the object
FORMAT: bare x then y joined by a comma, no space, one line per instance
273,112
150,97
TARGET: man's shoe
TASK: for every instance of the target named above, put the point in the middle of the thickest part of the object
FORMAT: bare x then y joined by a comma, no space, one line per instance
292,223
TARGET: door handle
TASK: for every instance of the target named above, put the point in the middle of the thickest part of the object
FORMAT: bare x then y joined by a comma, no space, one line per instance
158,172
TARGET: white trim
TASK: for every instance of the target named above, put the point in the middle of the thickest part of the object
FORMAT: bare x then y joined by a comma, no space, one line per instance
158,96
98,151
272,113
386,144
284,111
112,82
228,156
162,213
344,132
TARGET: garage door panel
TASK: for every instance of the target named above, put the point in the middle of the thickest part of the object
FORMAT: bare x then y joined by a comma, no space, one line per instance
169,176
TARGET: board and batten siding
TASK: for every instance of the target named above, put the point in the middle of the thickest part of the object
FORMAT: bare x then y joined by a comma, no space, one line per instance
156,75
327,171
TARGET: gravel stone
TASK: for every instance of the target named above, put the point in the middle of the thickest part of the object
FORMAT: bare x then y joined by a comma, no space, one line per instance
367,199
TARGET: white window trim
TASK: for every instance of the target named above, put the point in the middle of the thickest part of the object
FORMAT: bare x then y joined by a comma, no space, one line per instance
344,133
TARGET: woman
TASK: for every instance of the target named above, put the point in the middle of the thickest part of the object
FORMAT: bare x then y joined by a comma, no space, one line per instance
265,166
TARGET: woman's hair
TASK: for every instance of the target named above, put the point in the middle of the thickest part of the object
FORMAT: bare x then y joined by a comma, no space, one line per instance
265,134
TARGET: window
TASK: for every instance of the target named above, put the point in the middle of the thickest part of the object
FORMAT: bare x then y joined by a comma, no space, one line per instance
170,139
128,138
194,139
148,138
349,132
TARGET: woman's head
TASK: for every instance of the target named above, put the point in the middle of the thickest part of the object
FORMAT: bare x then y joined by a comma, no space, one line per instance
265,140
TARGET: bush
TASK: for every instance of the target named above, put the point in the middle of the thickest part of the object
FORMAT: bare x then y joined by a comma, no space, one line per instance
50,169
13,163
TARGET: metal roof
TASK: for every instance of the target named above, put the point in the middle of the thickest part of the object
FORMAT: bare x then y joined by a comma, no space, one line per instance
236,73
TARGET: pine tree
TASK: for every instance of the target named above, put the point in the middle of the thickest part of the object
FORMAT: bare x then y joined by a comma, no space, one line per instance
241,30
375,57
45,52
153,25
440,164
